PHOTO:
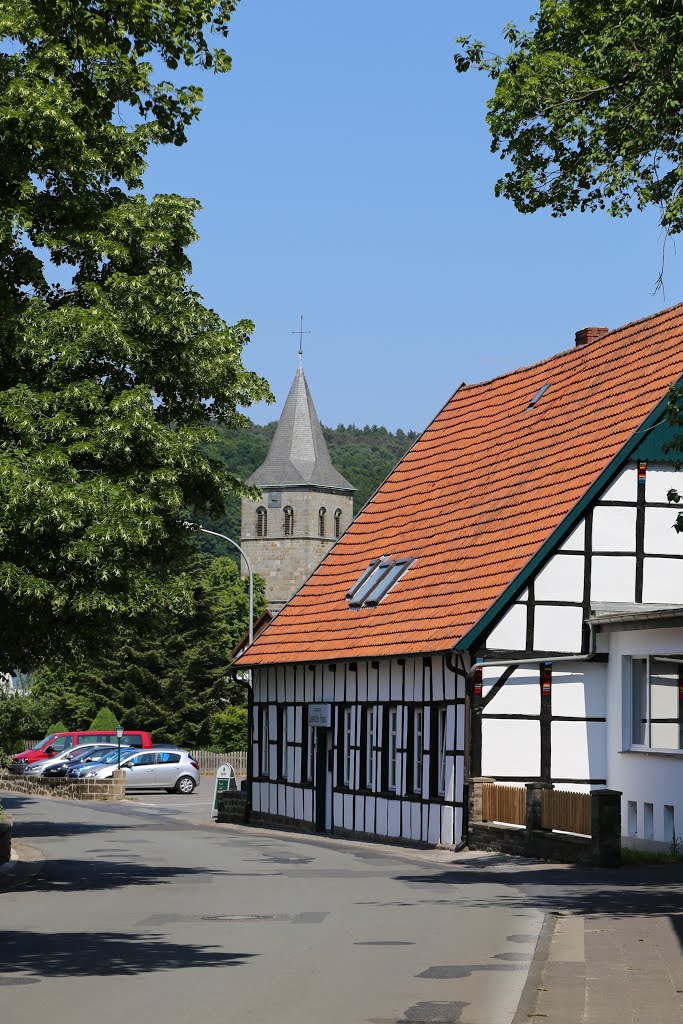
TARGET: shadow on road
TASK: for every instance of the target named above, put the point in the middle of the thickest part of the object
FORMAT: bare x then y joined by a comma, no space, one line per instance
621,892
102,954
102,874
48,829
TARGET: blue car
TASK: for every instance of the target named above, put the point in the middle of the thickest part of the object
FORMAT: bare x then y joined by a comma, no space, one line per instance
77,771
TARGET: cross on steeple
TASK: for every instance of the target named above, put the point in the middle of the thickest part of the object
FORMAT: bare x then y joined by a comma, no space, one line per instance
301,333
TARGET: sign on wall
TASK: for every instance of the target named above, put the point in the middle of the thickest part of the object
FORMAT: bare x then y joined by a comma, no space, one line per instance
320,715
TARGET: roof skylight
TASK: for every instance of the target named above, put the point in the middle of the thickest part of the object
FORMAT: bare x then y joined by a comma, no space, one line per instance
539,394
377,581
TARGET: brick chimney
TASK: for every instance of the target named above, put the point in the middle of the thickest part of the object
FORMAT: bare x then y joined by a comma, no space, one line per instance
588,334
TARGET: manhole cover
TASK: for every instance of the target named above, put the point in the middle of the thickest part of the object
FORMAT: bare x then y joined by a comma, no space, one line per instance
247,917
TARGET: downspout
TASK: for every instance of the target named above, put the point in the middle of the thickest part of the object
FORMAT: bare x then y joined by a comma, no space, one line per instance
539,660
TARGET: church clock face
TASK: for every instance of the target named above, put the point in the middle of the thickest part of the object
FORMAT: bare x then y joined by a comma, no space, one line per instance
274,499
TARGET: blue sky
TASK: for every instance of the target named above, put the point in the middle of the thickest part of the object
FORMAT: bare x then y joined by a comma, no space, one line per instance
345,173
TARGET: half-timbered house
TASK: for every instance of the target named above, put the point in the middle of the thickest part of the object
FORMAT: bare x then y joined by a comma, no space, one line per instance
478,616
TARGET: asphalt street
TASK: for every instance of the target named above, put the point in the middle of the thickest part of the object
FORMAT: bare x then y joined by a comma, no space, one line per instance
144,909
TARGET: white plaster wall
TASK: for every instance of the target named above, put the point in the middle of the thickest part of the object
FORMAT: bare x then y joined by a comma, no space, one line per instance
613,579
663,579
561,580
642,778
659,479
510,633
614,529
576,541
511,748
557,628
660,536
578,750
625,487
520,695
579,691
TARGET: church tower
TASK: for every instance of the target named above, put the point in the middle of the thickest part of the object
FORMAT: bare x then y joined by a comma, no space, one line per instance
305,504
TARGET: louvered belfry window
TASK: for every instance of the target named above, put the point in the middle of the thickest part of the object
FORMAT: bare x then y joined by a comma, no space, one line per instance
337,523
322,513
261,522
288,520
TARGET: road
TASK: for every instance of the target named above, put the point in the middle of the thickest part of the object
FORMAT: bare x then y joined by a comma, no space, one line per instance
146,908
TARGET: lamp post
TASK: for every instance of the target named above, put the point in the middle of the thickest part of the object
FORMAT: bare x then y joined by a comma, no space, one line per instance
119,734
234,543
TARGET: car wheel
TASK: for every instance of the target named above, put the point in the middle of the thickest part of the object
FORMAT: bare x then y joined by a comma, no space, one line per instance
185,785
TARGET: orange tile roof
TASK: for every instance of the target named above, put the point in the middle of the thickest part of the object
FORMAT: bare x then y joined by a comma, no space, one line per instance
482,489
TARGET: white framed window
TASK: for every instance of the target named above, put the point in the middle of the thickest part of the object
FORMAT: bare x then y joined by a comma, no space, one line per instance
418,748
371,741
310,753
283,743
441,720
392,740
348,747
656,698
265,741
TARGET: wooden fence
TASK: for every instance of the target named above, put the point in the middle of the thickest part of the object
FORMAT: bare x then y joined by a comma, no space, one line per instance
565,810
209,761
506,804
561,810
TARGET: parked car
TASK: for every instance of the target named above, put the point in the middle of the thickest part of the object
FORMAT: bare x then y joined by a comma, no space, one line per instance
166,768
56,767
67,757
56,742
110,757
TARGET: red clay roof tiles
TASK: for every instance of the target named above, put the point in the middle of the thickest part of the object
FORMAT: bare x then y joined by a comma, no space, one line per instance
482,489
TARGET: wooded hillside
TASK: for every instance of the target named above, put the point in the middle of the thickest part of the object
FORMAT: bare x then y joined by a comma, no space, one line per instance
365,456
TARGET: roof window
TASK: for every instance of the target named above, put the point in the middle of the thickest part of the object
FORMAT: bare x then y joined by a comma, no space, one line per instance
376,582
539,394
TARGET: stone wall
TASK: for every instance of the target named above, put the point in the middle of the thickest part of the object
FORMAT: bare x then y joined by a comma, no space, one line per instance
602,848
287,562
67,789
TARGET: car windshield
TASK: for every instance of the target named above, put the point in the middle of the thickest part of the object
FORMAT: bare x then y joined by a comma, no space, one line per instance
95,752
113,756
47,739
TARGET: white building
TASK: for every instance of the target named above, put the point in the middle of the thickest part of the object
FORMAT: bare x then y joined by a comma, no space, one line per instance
486,612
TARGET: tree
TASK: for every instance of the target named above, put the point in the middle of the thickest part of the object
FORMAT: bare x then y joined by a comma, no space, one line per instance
104,719
587,107
168,672
113,373
21,716
229,729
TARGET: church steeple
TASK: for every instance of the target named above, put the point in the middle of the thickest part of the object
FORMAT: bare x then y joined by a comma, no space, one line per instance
305,504
298,453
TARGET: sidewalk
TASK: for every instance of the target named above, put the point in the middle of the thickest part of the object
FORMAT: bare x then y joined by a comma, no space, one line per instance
606,969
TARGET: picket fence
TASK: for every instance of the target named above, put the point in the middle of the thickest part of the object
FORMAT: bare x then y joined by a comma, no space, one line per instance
561,810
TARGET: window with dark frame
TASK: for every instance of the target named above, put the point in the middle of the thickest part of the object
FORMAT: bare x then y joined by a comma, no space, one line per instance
264,745
322,514
261,522
376,582
337,523
348,747
288,520
417,749
392,738
282,742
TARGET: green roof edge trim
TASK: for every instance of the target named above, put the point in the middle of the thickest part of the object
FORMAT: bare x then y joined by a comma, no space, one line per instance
564,529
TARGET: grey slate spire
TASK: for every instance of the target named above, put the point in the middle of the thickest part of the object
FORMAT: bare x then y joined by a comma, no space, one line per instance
298,455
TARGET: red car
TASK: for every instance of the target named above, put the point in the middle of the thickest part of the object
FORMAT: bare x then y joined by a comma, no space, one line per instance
56,742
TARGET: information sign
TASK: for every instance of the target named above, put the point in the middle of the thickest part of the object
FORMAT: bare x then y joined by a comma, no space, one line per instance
320,715
225,779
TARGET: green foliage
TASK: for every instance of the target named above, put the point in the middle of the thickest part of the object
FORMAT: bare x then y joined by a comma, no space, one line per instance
104,719
587,107
169,672
21,716
113,374
364,455
229,729
57,727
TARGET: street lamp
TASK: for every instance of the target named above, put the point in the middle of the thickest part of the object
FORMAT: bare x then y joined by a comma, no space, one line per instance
234,543
119,734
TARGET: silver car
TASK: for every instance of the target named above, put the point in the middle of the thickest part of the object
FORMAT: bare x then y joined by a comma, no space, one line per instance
162,768
66,756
